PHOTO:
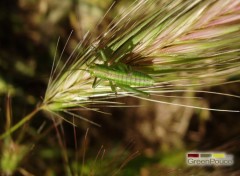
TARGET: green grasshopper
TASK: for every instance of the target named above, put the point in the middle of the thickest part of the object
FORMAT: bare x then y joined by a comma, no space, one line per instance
120,75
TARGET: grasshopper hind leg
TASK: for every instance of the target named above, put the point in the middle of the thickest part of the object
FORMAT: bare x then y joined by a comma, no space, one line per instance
131,89
97,81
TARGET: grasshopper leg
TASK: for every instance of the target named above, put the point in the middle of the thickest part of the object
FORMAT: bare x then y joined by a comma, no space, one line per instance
122,67
113,87
96,82
131,89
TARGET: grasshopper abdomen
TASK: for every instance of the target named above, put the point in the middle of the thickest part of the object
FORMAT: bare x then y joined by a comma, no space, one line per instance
131,77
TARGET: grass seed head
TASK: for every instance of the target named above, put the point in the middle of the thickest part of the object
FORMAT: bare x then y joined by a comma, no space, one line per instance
181,44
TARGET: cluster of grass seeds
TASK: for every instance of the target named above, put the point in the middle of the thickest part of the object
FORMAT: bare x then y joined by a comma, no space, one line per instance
182,45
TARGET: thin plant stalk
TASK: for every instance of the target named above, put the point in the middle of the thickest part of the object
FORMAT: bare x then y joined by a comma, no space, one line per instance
20,123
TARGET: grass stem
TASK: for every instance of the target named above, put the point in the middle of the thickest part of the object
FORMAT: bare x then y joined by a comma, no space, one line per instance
20,123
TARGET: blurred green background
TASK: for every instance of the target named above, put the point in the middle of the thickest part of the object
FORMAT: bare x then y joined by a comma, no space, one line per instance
161,133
